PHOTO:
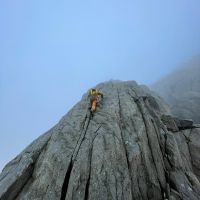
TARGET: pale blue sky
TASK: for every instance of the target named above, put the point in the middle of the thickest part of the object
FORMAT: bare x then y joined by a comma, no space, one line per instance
53,51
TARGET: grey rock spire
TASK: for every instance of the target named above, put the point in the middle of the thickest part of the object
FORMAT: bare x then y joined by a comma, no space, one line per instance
124,151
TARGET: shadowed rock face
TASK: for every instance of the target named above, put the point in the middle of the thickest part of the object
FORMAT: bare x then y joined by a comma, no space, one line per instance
124,151
181,90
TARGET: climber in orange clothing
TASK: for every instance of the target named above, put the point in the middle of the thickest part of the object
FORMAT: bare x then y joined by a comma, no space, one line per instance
95,97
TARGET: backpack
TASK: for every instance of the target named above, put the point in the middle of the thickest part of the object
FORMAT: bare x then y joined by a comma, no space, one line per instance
93,92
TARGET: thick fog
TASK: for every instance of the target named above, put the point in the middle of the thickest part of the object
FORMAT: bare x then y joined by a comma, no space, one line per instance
181,90
52,52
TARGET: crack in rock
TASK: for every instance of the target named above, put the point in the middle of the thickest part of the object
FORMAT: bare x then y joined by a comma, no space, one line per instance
124,151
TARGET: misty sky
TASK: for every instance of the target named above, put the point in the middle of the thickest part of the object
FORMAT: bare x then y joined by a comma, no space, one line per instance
51,52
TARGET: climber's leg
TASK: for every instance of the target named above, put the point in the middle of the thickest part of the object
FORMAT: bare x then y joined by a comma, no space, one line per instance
94,105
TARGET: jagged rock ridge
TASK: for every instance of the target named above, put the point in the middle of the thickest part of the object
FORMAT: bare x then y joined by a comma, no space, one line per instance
125,151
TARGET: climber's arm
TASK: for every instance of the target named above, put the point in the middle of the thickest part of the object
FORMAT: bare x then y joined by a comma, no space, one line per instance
100,94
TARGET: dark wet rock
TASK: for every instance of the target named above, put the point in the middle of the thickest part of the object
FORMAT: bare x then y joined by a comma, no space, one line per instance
123,151
184,123
171,123
175,124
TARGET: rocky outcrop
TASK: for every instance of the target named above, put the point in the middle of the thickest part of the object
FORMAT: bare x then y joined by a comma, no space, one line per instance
123,151
175,124
181,90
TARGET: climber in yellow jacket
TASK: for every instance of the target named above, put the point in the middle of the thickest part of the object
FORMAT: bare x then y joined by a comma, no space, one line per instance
95,97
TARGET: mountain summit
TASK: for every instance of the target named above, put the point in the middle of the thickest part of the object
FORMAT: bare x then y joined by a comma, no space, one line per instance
131,148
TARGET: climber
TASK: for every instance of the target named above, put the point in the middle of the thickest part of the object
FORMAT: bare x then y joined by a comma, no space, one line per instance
95,97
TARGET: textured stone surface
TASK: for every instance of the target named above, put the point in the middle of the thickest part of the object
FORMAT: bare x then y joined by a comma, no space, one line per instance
124,151
171,123
175,124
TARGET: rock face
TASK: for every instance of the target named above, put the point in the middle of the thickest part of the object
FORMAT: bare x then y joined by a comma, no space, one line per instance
124,151
181,90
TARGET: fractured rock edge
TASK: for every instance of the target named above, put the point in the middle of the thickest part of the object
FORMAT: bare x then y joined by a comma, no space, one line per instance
124,152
